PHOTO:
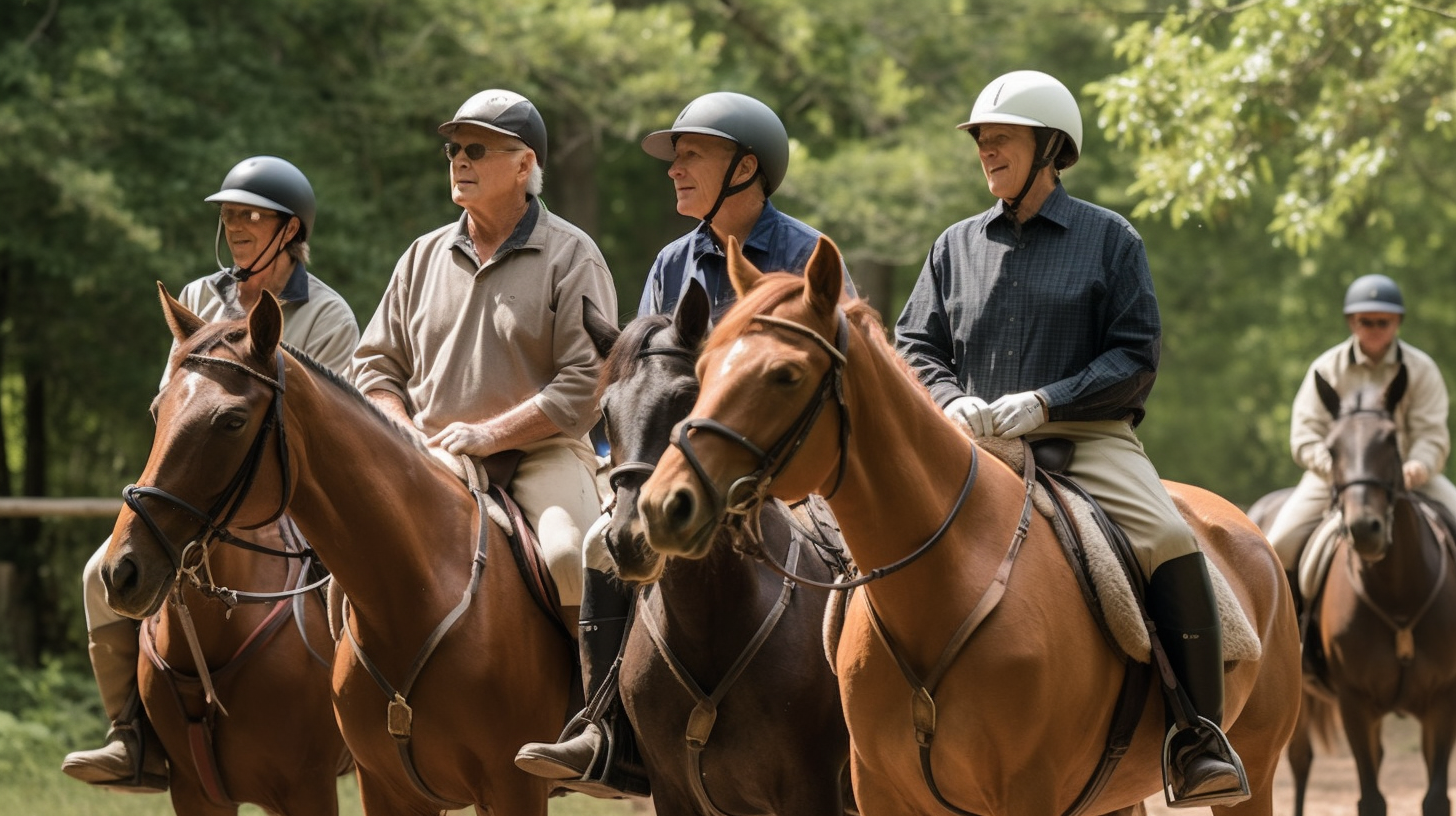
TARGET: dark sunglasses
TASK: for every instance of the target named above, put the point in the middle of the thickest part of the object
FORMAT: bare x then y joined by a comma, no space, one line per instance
1374,322
475,152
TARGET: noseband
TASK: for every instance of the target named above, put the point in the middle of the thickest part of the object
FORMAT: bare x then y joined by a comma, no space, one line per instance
215,521
643,469
747,492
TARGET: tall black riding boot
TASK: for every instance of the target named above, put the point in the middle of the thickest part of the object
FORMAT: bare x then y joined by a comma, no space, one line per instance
597,750
1200,767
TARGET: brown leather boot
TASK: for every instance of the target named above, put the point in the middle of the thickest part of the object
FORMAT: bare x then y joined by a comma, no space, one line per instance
132,758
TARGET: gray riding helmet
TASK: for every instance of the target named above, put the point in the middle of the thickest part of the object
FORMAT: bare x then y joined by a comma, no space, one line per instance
503,112
737,118
1374,293
271,183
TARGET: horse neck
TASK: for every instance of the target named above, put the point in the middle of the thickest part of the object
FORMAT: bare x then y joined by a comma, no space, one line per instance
906,467
385,519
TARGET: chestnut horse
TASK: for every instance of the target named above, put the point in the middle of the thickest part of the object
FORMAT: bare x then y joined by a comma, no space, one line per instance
1385,619
1013,717
437,612
251,721
723,675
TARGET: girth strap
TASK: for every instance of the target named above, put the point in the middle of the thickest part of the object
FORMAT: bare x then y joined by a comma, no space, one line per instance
705,713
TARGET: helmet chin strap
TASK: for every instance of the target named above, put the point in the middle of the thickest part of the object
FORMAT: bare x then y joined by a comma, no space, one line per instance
727,188
1048,145
239,272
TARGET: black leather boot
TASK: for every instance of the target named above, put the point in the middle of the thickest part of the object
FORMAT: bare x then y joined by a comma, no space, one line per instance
596,754
1200,768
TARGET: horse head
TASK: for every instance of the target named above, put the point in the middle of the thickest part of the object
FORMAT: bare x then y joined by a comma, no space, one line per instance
216,414
766,373
1365,462
647,386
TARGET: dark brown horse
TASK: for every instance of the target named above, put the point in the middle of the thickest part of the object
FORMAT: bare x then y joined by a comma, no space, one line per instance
1013,718
449,665
1385,619
251,720
724,675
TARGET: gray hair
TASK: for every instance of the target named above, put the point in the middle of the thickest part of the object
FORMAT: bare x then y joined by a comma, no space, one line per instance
537,180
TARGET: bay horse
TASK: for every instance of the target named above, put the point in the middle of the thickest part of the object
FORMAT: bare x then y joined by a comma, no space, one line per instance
1385,619
247,717
1022,701
448,665
723,675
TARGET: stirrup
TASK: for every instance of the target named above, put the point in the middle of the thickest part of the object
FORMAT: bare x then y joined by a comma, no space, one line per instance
1214,739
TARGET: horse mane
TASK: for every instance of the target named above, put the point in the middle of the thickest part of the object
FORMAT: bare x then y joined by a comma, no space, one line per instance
776,288
623,360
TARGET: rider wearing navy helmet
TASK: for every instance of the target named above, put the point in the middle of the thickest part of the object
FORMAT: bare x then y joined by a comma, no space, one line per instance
266,215
1370,357
1037,319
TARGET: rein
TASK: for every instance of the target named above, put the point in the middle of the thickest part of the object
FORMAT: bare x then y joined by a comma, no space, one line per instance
216,520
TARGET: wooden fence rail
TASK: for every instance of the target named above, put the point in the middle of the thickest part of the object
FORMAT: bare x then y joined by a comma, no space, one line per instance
34,506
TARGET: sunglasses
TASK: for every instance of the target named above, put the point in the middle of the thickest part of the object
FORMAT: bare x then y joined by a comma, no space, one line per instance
475,152
1374,322
243,216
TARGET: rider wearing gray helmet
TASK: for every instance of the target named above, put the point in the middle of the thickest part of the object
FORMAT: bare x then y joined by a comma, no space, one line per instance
266,214
1370,357
729,153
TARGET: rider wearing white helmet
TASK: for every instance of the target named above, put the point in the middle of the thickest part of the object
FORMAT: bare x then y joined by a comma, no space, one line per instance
1037,318
1370,357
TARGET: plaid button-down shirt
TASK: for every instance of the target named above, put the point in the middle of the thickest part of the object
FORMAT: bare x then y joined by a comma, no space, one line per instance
1063,306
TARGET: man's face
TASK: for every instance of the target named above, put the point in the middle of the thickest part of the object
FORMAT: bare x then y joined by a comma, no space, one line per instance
697,172
1375,331
1007,153
250,233
498,175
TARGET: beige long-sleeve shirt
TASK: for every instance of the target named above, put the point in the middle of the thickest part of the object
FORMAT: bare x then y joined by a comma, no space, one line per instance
464,341
1420,417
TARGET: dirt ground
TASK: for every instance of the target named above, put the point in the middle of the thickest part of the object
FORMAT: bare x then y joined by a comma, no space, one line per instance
1333,788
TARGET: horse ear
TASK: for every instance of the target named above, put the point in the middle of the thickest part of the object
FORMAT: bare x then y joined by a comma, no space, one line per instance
265,325
693,316
825,274
1327,395
180,319
1396,390
603,332
741,272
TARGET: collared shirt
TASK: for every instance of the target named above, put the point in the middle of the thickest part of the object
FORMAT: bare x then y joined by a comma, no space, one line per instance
777,243
316,319
1064,306
463,340
1420,416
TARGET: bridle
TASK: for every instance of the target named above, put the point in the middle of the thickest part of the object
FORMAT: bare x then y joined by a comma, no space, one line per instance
747,492
1393,489
215,521
637,467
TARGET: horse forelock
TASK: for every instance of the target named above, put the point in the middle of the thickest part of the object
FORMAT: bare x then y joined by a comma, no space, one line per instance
622,361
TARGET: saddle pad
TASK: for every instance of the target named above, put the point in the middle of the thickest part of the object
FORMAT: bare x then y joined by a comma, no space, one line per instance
1119,605
1319,552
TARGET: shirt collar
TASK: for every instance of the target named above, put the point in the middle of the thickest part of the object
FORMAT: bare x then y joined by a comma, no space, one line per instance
1057,208
759,238
295,289
522,235
1357,356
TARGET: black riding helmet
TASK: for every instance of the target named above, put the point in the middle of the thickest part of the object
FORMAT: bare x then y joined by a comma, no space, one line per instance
740,119
503,112
271,183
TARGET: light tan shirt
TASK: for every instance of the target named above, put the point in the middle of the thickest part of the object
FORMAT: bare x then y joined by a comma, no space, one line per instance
463,341
1420,416
316,319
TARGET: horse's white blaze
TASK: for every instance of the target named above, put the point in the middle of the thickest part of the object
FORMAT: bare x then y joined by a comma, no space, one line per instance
734,352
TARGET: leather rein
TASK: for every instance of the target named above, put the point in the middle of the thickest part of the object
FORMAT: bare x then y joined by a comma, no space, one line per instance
747,492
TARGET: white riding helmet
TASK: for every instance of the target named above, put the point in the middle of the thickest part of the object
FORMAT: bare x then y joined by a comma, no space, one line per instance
1034,99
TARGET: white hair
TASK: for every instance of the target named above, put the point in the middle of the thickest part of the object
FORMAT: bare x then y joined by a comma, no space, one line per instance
537,180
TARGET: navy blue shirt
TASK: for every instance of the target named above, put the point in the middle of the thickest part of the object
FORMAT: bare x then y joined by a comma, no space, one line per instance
777,243
1064,306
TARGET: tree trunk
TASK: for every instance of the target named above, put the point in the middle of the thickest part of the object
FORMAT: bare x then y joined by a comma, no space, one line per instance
571,176
876,283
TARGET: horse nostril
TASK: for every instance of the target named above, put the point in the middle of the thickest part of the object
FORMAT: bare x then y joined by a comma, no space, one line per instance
680,509
122,579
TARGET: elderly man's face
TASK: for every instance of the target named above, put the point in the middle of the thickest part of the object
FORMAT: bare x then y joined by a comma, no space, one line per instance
697,172
1007,152
498,175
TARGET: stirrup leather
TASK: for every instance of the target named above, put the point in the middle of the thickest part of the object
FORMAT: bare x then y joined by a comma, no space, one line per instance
1213,737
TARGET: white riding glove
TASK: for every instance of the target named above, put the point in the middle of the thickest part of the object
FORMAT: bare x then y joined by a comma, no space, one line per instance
1416,474
972,414
1018,414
